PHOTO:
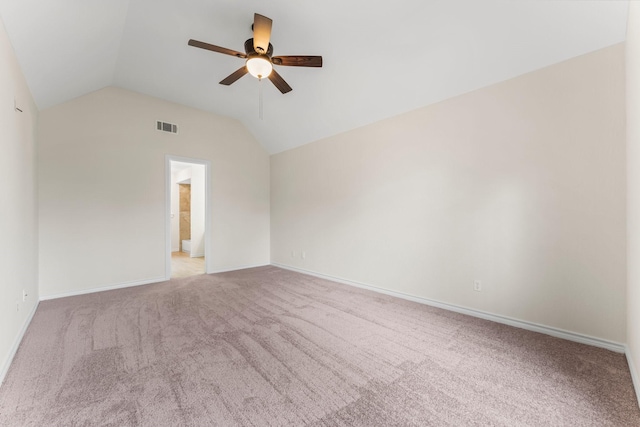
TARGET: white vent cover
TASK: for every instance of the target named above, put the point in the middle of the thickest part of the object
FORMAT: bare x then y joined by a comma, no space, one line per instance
166,127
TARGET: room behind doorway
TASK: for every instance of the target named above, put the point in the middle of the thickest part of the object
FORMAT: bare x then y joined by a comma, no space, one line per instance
187,218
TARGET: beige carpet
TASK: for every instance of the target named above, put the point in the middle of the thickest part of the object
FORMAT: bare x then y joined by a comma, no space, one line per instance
269,347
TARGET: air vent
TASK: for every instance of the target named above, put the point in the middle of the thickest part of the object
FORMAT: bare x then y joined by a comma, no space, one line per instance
166,127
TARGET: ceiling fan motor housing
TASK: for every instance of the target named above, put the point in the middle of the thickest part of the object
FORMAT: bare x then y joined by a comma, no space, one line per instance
248,48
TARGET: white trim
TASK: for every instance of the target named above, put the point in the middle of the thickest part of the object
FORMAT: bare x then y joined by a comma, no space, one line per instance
168,158
530,326
239,268
192,255
103,288
634,374
131,284
16,343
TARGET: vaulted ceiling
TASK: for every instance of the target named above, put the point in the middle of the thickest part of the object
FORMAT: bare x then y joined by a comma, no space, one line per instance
381,58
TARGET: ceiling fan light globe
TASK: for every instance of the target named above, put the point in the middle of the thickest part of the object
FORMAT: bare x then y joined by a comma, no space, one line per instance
259,67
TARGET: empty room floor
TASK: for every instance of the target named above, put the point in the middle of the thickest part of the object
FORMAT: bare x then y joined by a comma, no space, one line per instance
182,265
267,346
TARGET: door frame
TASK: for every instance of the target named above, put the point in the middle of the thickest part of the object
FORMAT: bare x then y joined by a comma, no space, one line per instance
167,210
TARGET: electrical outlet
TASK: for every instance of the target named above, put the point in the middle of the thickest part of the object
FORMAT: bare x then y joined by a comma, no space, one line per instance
24,295
304,255
477,285
293,254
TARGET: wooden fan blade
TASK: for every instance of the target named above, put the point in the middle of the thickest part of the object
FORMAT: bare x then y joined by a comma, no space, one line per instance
234,76
298,61
261,33
279,82
213,48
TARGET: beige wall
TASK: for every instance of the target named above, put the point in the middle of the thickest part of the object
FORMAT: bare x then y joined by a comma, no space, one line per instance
18,225
520,185
102,190
633,190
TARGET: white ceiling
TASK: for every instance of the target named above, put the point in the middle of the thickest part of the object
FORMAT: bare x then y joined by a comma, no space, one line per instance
381,58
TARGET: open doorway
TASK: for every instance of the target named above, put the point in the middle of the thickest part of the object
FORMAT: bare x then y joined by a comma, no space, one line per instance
187,216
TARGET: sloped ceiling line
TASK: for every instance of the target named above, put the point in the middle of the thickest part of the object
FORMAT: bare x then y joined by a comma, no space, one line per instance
380,59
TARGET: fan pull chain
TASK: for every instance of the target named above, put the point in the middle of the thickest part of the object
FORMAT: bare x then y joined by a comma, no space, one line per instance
260,99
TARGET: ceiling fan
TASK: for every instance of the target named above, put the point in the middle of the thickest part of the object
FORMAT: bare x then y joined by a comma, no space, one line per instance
259,57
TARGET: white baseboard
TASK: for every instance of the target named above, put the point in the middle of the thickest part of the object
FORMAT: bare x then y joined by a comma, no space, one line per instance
198,255
131,284
237,268
530,326
103,288
16,343
634,373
